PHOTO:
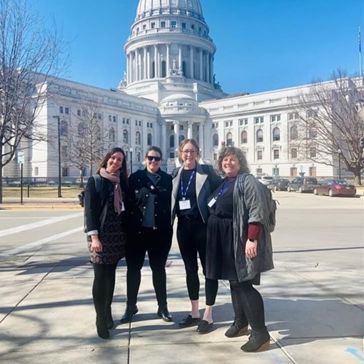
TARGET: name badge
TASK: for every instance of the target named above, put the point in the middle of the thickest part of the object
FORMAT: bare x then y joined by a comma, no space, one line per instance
184,205
212,202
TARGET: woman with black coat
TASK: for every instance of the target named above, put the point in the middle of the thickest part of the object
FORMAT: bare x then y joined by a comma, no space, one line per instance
149,230
105,227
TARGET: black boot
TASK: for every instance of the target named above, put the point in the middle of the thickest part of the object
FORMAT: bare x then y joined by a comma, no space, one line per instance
101,327
108,318
258,341
164,314
238,328
129,313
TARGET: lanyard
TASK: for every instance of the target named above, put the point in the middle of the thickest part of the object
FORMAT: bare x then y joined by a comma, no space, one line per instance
184,193
225,187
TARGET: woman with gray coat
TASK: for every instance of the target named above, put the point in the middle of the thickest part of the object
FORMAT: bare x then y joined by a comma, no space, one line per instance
239,246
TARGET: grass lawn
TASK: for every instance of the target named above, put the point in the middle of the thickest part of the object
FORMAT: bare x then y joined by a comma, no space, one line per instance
40,192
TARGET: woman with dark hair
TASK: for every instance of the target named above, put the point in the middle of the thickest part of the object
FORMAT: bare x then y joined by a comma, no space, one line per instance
105,194
192,184
149,230
239,245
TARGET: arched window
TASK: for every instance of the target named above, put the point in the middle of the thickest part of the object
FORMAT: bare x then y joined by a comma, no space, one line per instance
215,140
293,133
171,141
153,70
125,136
184,68
259,136
276,134
149,139
229,139
164,69
81,129
137,138
244,137
64,128
111,135
312,132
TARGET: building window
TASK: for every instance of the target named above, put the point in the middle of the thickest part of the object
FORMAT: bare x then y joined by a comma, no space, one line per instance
312,152
229,139
163,24
149,139
138,156
181,138
243,122
152,25
275,171
64,128
312,132
127,121
164,69
312,171
311,114
99,116
64,151
293,172
171,141
259,136
183,25
293,116
125,136
66,110
259,120
112,135
276,154
259,155
294,153
173,24
78,112
61,109
276,134
244,137
114,119
275,118
293,132
215,156
258,171
64,171
137,138
81,129
36,171
215,140
144,26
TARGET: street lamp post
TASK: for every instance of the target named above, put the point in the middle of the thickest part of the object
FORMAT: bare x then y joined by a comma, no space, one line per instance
131,160
59,157
339,153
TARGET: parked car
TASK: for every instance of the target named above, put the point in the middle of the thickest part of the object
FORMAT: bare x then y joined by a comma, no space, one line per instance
302,184
335,187
266,180
279,184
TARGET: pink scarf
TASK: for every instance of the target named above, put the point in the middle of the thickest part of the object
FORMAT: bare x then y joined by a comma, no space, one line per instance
115,180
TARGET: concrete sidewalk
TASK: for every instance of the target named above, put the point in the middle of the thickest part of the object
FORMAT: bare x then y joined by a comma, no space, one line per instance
47,316
12,203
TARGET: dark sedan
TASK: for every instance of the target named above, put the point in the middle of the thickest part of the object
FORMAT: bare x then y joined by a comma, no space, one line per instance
279,184
335,187
302,184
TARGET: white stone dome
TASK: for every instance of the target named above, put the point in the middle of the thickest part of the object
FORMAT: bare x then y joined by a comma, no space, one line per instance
154,7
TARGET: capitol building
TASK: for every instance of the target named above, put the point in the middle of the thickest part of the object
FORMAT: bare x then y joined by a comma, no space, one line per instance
169,93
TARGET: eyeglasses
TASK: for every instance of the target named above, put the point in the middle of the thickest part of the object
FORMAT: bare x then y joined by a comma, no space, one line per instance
188,151
151,157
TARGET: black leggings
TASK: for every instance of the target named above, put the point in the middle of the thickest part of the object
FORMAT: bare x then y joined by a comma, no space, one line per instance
191,236
248,304
157,243
103,287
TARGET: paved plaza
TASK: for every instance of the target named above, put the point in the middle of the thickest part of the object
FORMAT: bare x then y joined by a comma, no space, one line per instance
313,298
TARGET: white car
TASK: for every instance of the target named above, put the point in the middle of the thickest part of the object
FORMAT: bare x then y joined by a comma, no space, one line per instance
266,180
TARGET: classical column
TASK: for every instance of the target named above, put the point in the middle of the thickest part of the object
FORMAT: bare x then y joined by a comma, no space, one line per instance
168,66
164,138
201,64
202,140
136,65
128,68
211,69
158,64
133,68
145,63
191,63
208,67
180,58
148,64
176,136
155,60
140,69
189,130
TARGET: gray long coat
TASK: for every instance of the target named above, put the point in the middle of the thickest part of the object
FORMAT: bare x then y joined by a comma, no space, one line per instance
256,204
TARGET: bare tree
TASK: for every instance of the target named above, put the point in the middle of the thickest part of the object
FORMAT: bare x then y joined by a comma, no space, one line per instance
330,126
88,139
29,54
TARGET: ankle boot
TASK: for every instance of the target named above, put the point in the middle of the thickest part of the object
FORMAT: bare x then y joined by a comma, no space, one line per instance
237,328
164,314
108,318
129,313
101,327
258,341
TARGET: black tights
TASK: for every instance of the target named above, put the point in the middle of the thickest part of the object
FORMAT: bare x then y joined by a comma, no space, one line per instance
103,287
248,305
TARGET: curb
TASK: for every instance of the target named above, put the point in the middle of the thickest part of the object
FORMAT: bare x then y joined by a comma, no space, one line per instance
40,207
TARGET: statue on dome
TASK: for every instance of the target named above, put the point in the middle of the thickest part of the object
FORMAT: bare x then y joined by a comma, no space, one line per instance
174,71
217,85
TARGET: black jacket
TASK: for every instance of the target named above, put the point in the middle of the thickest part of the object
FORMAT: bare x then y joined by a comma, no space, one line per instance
140,189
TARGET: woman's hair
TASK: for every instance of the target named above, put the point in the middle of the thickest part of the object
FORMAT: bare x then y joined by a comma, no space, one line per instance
182,145
155,149
226,151
123,169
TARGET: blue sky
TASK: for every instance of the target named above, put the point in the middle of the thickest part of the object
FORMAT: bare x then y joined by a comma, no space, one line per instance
262,45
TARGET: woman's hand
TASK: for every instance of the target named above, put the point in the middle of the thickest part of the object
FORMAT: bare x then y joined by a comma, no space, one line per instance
96,245
251,250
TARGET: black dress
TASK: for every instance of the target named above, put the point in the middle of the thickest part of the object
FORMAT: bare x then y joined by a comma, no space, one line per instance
220,262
